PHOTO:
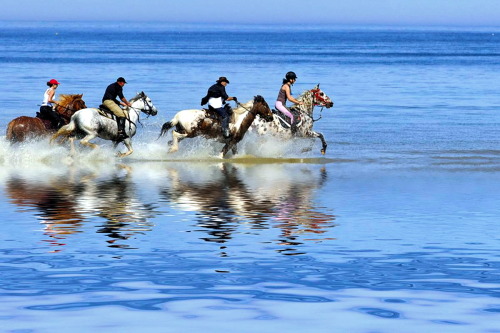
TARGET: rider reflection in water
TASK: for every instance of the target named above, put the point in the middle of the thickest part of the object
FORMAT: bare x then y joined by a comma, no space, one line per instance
216,97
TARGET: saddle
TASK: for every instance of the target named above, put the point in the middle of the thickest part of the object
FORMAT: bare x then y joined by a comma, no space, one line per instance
46,122
105,112
285,120
212,114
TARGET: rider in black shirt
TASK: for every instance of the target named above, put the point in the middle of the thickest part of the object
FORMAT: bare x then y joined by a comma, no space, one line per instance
109,100
216,98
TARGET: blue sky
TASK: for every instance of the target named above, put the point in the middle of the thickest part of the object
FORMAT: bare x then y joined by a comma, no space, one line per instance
310,12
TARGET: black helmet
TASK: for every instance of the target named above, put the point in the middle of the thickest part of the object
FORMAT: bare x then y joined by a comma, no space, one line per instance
290,76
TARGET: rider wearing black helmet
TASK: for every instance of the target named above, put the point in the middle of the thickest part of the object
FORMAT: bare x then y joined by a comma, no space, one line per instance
285,94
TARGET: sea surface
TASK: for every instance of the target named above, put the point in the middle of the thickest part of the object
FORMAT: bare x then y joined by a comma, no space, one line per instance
395,229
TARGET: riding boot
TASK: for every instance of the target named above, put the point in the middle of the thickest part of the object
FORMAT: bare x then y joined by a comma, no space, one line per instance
121,128
225,128
293,128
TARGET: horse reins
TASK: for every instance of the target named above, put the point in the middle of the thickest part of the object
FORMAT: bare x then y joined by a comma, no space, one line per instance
136,110
248,110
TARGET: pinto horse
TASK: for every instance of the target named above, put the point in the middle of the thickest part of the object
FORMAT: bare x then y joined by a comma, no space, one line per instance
192,123
310,99
21,128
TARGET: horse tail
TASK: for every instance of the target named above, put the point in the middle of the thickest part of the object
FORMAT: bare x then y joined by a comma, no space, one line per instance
66,130
10,133
166,127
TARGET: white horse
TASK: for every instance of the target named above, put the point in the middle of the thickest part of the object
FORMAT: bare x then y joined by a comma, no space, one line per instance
304,115
90,124
195,122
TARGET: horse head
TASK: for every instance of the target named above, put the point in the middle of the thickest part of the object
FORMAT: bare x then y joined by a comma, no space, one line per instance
320,98
69,104
147,105
261,108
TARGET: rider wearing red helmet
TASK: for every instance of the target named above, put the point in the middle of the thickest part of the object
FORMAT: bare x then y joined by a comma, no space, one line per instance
47,108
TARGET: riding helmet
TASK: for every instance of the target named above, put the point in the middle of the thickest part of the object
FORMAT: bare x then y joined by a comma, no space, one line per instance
290,76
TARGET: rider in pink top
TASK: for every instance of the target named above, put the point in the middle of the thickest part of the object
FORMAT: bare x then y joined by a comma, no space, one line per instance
285,94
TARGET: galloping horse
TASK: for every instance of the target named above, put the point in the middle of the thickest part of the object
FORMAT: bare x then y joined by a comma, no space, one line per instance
310,99
91,124
192,123
23,127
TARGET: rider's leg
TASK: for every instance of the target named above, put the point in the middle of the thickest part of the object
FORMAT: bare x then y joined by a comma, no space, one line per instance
225,121
280,107
120,114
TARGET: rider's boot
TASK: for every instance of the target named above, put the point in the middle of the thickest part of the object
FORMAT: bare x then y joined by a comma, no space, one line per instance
225,128
293,127
121,128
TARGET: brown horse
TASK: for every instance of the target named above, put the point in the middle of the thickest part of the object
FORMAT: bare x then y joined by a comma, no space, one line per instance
22,128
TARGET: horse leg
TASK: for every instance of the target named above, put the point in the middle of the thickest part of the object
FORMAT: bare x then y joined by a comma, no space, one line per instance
87,138
127,144
176,137
322,138
229,145
72,145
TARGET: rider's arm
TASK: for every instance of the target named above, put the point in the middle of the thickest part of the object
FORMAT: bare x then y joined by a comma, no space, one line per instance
125,102
51,95
289,96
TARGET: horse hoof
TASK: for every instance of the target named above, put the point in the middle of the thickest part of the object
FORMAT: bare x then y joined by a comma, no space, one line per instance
323,152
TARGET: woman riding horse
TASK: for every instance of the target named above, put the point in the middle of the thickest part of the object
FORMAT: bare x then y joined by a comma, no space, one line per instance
22,128
309,99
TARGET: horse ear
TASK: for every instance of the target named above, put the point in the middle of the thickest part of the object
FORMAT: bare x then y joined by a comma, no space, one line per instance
317,86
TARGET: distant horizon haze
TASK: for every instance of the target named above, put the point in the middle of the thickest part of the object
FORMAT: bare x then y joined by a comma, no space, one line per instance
273,12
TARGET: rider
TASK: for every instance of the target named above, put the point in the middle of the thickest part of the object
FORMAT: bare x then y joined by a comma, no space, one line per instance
109,100
285,94
216,97
46,110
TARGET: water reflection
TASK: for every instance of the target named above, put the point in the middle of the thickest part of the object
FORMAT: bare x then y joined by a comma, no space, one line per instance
228,197
65,201
274,203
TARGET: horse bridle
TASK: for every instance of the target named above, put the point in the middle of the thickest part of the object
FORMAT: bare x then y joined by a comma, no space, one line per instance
146,103
317,96
318,100
66,109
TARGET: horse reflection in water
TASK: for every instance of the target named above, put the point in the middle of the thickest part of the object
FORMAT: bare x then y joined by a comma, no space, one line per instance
67,202
227,198
54,202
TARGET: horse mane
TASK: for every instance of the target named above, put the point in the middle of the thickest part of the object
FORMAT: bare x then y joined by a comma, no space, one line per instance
66,99
243,107
136,97
303,94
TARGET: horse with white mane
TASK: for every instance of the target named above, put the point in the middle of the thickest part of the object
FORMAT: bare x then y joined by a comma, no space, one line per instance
195,122
282,128
90,123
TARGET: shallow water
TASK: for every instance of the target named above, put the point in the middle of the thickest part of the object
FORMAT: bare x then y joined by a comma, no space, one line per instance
393,230
253,246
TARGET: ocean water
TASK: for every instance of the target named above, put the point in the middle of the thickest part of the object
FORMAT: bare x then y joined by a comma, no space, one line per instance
395,229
